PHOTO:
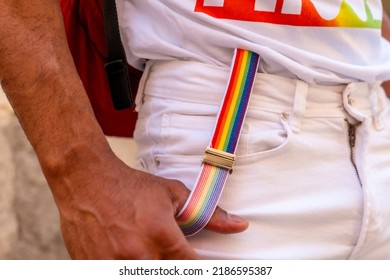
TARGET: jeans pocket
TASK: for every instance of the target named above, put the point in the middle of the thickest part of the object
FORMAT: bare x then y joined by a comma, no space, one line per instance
186,134
268,134
179,167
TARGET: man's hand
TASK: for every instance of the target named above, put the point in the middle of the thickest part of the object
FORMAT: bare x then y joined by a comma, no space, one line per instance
112,212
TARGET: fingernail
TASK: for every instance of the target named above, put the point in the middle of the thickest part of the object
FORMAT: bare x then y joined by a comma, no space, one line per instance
236,219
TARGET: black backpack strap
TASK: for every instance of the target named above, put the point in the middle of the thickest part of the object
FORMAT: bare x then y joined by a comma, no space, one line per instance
116,67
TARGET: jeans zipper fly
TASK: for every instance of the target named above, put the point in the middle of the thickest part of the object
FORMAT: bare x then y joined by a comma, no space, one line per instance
352,141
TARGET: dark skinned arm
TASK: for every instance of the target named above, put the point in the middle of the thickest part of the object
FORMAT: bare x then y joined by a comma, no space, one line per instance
107,210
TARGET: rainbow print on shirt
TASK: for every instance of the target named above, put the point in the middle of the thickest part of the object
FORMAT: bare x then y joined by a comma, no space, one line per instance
321,13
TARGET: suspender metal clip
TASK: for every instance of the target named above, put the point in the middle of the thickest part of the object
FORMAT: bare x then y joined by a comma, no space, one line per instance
219,158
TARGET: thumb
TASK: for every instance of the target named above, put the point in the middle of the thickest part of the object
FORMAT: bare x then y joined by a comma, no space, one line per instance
226,223
221,221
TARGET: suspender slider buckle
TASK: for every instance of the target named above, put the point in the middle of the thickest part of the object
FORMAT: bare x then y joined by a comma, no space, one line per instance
219,158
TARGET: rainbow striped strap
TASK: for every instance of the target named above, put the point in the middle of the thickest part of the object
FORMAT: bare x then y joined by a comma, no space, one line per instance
219,157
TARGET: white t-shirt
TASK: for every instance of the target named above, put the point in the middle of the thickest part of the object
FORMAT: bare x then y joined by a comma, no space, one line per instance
318,41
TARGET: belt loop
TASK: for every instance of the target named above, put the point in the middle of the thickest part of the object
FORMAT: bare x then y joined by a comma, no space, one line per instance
301,91
139,99
377,99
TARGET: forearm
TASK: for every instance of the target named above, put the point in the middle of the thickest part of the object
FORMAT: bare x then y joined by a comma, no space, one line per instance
40,80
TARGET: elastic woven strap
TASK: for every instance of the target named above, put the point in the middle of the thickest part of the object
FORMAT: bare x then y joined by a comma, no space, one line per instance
204,197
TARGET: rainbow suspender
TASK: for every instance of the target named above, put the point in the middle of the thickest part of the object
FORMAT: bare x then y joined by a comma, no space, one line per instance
219,156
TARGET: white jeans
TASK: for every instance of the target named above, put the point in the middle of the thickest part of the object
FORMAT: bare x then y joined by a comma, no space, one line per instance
295,178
